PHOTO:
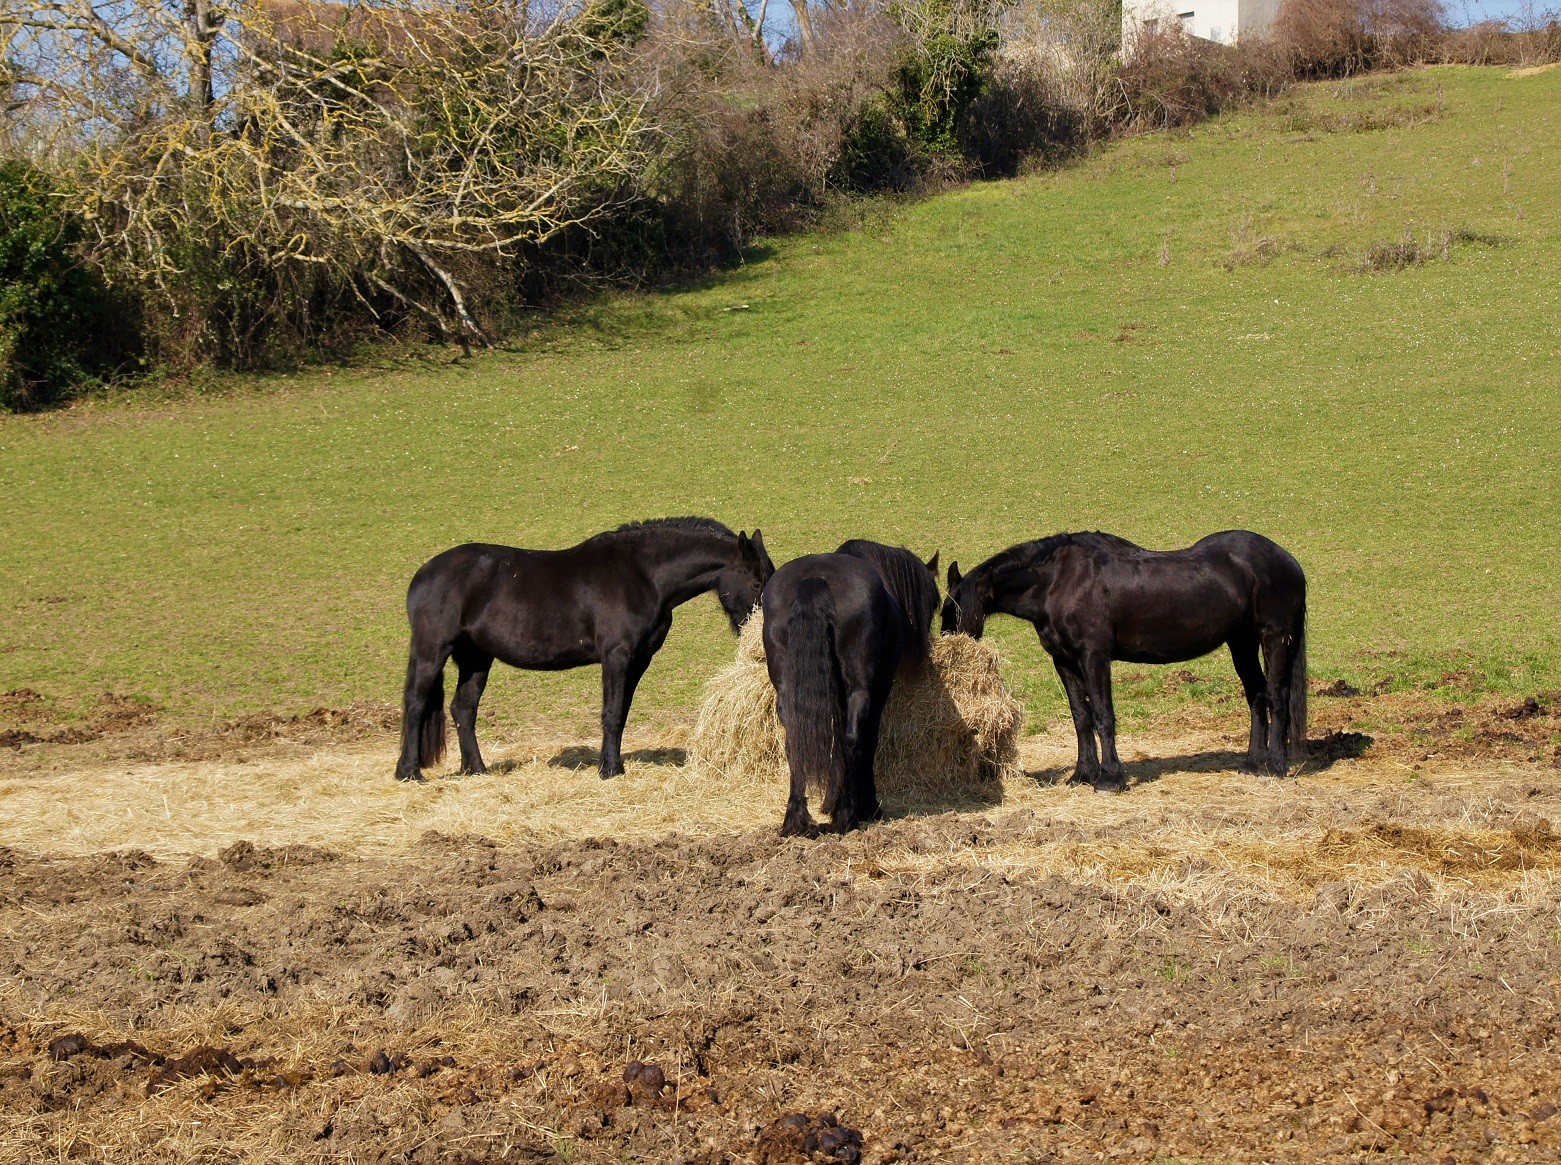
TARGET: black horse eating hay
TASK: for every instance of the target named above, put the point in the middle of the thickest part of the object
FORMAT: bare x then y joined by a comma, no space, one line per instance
608,600
1095,597
835,634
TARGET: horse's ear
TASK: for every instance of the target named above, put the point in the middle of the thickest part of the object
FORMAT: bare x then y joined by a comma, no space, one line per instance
932,564
749,550
758,541
954,575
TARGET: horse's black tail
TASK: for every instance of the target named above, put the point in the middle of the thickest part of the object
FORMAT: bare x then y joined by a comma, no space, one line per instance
430,733
815,736
1297,739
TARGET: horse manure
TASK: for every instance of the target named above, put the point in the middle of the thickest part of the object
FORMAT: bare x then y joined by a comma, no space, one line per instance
379,1064
526,1071
644,1077
67,1046
815,1138
202,1061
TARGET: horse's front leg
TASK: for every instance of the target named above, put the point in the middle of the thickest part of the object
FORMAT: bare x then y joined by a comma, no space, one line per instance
1097,679
616,694
622,670
1087,767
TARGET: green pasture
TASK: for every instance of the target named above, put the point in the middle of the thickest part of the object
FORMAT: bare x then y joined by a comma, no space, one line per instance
1167,339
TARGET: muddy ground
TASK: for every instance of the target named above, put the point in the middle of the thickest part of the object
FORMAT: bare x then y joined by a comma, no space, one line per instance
1363,963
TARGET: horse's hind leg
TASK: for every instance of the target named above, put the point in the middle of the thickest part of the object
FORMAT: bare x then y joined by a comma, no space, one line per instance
473,666
422,698
1244,654
1278,657
858,800
798,822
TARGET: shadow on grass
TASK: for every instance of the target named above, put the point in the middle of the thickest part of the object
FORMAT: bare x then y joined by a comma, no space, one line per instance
581,756
1321,754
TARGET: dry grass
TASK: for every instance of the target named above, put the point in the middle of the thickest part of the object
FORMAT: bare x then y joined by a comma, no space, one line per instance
208,1117
345,798
954,727
1204,832
1194,826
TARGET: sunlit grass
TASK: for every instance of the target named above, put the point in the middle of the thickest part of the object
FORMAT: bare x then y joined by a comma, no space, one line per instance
1168,339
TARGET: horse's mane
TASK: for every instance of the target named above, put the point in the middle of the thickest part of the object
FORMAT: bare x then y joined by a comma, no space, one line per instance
1030,555
690,523
910,582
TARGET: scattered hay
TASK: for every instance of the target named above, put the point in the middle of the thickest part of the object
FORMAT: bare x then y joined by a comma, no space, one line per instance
953,726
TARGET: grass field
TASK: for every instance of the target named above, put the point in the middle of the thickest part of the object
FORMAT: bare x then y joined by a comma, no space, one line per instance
1167,339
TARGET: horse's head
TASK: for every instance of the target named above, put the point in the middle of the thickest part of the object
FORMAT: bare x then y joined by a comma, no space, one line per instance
741,583
964,610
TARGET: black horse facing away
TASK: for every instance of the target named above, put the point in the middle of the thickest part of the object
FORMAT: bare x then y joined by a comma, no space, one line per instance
608,600
1095,597
834,636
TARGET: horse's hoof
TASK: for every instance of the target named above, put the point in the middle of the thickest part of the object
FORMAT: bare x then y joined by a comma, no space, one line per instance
1117,786
1080,779
410,777
794,827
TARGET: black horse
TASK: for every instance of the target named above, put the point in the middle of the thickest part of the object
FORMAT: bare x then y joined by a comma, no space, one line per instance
1095,597
834,637
608,600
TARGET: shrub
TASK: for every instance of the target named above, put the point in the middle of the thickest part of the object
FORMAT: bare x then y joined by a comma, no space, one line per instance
1172,79
57,326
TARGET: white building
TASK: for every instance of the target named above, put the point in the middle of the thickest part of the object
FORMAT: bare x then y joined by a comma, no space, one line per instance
1225,21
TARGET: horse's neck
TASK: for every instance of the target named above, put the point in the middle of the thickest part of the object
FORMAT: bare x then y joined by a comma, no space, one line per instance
687,572
1021,592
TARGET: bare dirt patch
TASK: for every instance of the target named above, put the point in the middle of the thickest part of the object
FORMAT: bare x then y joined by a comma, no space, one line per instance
539,965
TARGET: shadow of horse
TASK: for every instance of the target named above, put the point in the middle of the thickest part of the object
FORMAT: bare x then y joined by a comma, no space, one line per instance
581,756
923,701
1321,755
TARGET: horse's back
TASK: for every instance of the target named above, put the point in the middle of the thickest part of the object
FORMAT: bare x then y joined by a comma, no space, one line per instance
1276,582
529,608
866,626
1162,606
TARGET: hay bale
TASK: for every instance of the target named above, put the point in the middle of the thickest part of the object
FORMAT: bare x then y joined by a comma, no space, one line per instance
954,725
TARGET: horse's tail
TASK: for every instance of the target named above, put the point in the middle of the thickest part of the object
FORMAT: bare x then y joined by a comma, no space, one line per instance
1297,739
430,729
815,737
430,735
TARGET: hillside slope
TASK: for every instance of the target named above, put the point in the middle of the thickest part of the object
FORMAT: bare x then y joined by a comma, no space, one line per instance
1171,338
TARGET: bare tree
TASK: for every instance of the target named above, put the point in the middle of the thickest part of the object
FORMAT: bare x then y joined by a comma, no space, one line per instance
392,146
